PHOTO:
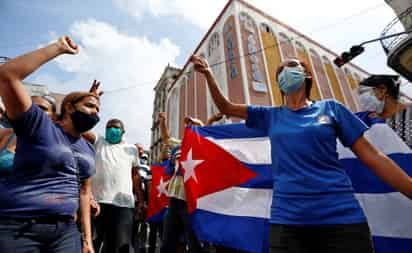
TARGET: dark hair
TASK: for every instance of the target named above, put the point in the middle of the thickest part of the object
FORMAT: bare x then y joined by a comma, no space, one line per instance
116,121
391,82
74,98
308,78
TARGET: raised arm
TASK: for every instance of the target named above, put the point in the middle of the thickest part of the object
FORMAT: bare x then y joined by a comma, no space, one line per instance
383,166
164,131
13,72
223,104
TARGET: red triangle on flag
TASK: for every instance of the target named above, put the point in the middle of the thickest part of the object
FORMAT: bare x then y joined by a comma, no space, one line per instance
208,168
158,199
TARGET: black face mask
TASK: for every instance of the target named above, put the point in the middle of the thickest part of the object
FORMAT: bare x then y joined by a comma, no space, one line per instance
83,122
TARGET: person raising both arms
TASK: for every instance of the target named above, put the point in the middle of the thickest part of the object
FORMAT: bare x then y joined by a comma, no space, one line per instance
313,207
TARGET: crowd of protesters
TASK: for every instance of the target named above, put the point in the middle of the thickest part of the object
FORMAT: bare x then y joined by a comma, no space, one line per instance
64,189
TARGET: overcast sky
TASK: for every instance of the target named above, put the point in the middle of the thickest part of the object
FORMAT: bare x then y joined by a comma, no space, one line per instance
129,42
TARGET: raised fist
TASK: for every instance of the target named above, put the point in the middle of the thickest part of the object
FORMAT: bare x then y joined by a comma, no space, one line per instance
200,64
162,116
67,45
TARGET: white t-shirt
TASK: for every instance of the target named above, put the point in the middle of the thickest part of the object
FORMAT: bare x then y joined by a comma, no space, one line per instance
113,182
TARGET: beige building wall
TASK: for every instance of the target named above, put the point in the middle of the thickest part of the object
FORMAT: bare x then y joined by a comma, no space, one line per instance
245,46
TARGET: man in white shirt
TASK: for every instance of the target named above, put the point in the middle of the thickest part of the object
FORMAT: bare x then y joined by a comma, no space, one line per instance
114,187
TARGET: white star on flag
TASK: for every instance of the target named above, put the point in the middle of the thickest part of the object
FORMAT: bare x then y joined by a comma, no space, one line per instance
189,165
162,187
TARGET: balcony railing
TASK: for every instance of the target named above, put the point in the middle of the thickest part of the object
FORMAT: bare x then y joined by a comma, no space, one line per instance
398,25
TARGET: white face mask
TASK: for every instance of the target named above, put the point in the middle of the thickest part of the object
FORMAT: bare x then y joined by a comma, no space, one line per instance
369,102
380,105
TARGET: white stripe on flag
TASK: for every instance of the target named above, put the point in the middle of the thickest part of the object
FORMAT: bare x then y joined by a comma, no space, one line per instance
237,201
383,138
247,150
389,214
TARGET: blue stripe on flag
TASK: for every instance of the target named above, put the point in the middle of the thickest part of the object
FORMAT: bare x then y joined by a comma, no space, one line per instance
158,218
264,178
392,245
246,233
230,131
365,181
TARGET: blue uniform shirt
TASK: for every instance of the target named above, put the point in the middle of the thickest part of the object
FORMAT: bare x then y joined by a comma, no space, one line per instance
47,168
310,185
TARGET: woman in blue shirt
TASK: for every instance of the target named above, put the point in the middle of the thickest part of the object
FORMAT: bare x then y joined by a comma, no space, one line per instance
52,165
313,207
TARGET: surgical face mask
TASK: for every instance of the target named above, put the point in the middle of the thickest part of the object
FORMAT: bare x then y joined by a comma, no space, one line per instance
6,160
370,102
114,135
291,79
380,106
83,122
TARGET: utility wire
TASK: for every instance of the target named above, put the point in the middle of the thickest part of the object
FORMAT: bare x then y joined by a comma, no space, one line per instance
274,46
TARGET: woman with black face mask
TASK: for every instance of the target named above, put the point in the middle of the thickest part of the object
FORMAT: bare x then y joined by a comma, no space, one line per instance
52,165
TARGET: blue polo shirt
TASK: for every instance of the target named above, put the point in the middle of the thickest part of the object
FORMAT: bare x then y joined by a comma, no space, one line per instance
310,185
48,166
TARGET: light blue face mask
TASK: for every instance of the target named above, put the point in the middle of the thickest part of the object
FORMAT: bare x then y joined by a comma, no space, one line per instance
6,157
291,79
372,103
6,161
380,105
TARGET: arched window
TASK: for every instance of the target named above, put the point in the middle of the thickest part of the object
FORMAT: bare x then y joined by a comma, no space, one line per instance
248,22
300,46
326,60
214,43
286,46
283,37
174,111
357,77
266,28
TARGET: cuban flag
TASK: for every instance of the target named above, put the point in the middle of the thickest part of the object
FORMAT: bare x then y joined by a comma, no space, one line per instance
388,211
158,197
228,184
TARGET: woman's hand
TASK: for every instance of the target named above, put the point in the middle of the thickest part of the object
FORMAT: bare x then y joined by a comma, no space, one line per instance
162,116
216,117
87,247
200,64
189,121
94,207
67,45
95,88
